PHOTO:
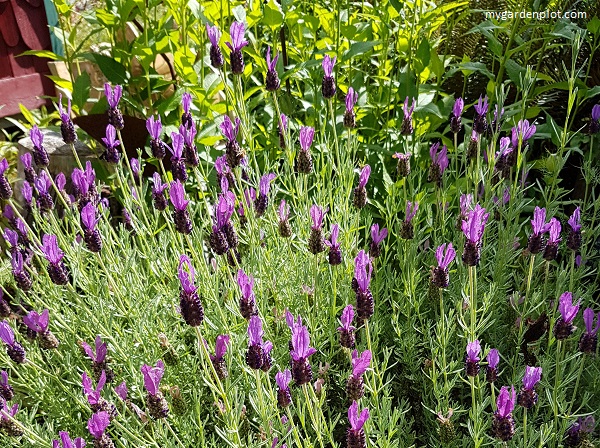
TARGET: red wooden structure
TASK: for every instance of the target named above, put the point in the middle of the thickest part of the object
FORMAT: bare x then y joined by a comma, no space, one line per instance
23,26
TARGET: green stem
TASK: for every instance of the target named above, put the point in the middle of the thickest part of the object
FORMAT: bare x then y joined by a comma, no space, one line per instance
524,427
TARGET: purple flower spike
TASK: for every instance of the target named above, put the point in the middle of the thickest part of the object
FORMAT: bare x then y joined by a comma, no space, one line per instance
328,65
227,128
317,215
588,319
378,235
26,160
122,391
524,131
596,112
347,318
110,141
301,343
482,105
361,363
186,276
214,34
532,376
568,311
221,344
238,41
43,183
36,136
186,102
554,228
37,322
271,64
357,421
575,220
101,350
408,110
11,237
265,183
177,196
113,96
306,137
6,334
284,210
67,442
538,223
362,271
255,331
493,358
444,255
93,395
98,423
458,107
351,99
283,379
51,250
474,225
411,211
588,342
88,216
439,158
473,351
152,377
364,176
154,127
505,403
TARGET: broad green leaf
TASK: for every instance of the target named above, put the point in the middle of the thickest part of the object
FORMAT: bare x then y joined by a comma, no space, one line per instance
515,72
359,48
62,83
26,114
423,52
81,90
593,26
273,17
114,71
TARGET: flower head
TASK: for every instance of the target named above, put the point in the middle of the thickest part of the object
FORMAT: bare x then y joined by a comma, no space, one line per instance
186,274
152,376
110,141
93,395
36,136
61,181
25,160
88,216
221,344
363,270
473,351
67,442
378,235
246,284
361,363
532,376
43,183
236,31
440,157
37,322
122,391
283,379
11,237
301,343
351,99
357,421
333,242
157,185
65,117
306,137
522,131
284,210
177,142
265,183
154,127
255,331
575,220
364,176
482,105
408,110
98,423
567,310
458,107
347,318
411,210
588,319
505,403
177,195
444,255
50,249
271,64
228,129
328,65
554,228
101,350
113,96
596,112
538,223
6,334
214,34
474,225
493,358
317,215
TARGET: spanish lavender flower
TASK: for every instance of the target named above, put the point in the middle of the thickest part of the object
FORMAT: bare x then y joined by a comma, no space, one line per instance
258,354
335,254
95,400
20,274
347,338
578,432
99,359
61,181
355,436
67,442
42,184
594,125
91,235
439,163
355,387
238,42
190,151
528,397
316,244
281,129
563,328
479,121
551,249
223,232
6,390
181,216
304,162
328,84
473,145
158,147
574,236
14,350
272,80
84,186
472,358
28,170
496,122
155,401
522,132
360,193
5,310
536,241
40,155
113,96
8,211
39,324
12,238
111,154
262,201
506,158
122,392
158,193
67,129
7,423
135,170
301,370
21,230
455,118
473,228
444,255
291,323
403,166
285,230
189,300
216,56
97,425
365,307
491,371
349,115
377,236
177,157
407,231
186,118
589,339
407,126
234,152
223,172
284,395
503,423
247,300
218,359
56,268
